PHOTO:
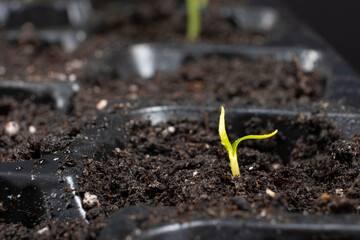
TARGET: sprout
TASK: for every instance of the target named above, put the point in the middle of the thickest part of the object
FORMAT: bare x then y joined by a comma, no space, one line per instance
194,8
231,148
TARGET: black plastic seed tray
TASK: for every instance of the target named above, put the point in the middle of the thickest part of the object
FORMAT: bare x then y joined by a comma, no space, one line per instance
292,226
47,187
124,226
64,22
144,60
290,30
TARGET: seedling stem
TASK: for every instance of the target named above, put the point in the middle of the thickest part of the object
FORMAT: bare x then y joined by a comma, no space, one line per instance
194,8
231,148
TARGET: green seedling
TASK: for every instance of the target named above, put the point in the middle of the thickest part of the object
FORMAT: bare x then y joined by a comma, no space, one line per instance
194,8
231,148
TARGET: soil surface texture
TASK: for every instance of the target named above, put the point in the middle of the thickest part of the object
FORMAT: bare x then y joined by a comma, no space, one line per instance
180,164
204,80
183,165
235,80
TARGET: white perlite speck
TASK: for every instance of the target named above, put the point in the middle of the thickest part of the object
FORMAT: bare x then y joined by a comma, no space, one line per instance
11,128
270,193
171,129
72,77
101,104
90,200
32,129
44,230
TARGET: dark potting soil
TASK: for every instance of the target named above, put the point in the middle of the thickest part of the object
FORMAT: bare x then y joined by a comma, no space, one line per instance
218,79
30,131
32,59
56,129
182,163
192,156
214,78
211,79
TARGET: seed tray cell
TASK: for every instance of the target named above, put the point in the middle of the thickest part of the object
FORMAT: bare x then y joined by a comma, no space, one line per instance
144,60
53,178
123,224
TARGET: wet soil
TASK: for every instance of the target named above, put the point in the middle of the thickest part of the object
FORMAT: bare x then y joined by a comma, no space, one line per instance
160,167
182,164
211,79
195,161
31,131
235,80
